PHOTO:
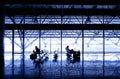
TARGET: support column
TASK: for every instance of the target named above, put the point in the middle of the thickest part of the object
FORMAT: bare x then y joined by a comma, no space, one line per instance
82,54
103,54
13,53
1,42
23,45
61,75
103,49
82,46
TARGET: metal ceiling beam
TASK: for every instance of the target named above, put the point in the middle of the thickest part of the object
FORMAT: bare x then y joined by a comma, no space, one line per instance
63,26
62,2
88,12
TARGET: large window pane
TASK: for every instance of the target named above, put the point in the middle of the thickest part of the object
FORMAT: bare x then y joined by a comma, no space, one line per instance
93,52
112,55
8,52
31,40
71,66
51,43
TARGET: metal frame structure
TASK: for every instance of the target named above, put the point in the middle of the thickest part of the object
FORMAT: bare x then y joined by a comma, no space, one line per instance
40,17
86,2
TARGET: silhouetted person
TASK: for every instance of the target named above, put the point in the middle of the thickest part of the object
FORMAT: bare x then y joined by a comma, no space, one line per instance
34,52
33,56
55,55
68,52
37,50
78,55
67,48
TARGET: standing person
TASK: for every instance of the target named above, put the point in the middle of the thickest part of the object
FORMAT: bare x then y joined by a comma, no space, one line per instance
37,51
67,48
68,52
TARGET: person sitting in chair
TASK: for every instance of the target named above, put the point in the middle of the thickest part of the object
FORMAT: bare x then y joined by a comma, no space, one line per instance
33,56
55,55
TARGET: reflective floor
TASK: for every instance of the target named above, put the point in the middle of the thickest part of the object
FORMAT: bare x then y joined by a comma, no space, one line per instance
24,68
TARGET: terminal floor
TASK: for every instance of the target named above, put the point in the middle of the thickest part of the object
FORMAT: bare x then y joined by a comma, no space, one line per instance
62,69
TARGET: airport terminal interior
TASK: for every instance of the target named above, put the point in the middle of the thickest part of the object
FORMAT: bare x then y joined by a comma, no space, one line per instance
60,41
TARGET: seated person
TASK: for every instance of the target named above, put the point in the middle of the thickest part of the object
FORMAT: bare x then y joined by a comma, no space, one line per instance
78,53
55,55
33,56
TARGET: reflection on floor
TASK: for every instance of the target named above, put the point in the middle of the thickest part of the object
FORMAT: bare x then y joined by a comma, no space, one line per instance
63,69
